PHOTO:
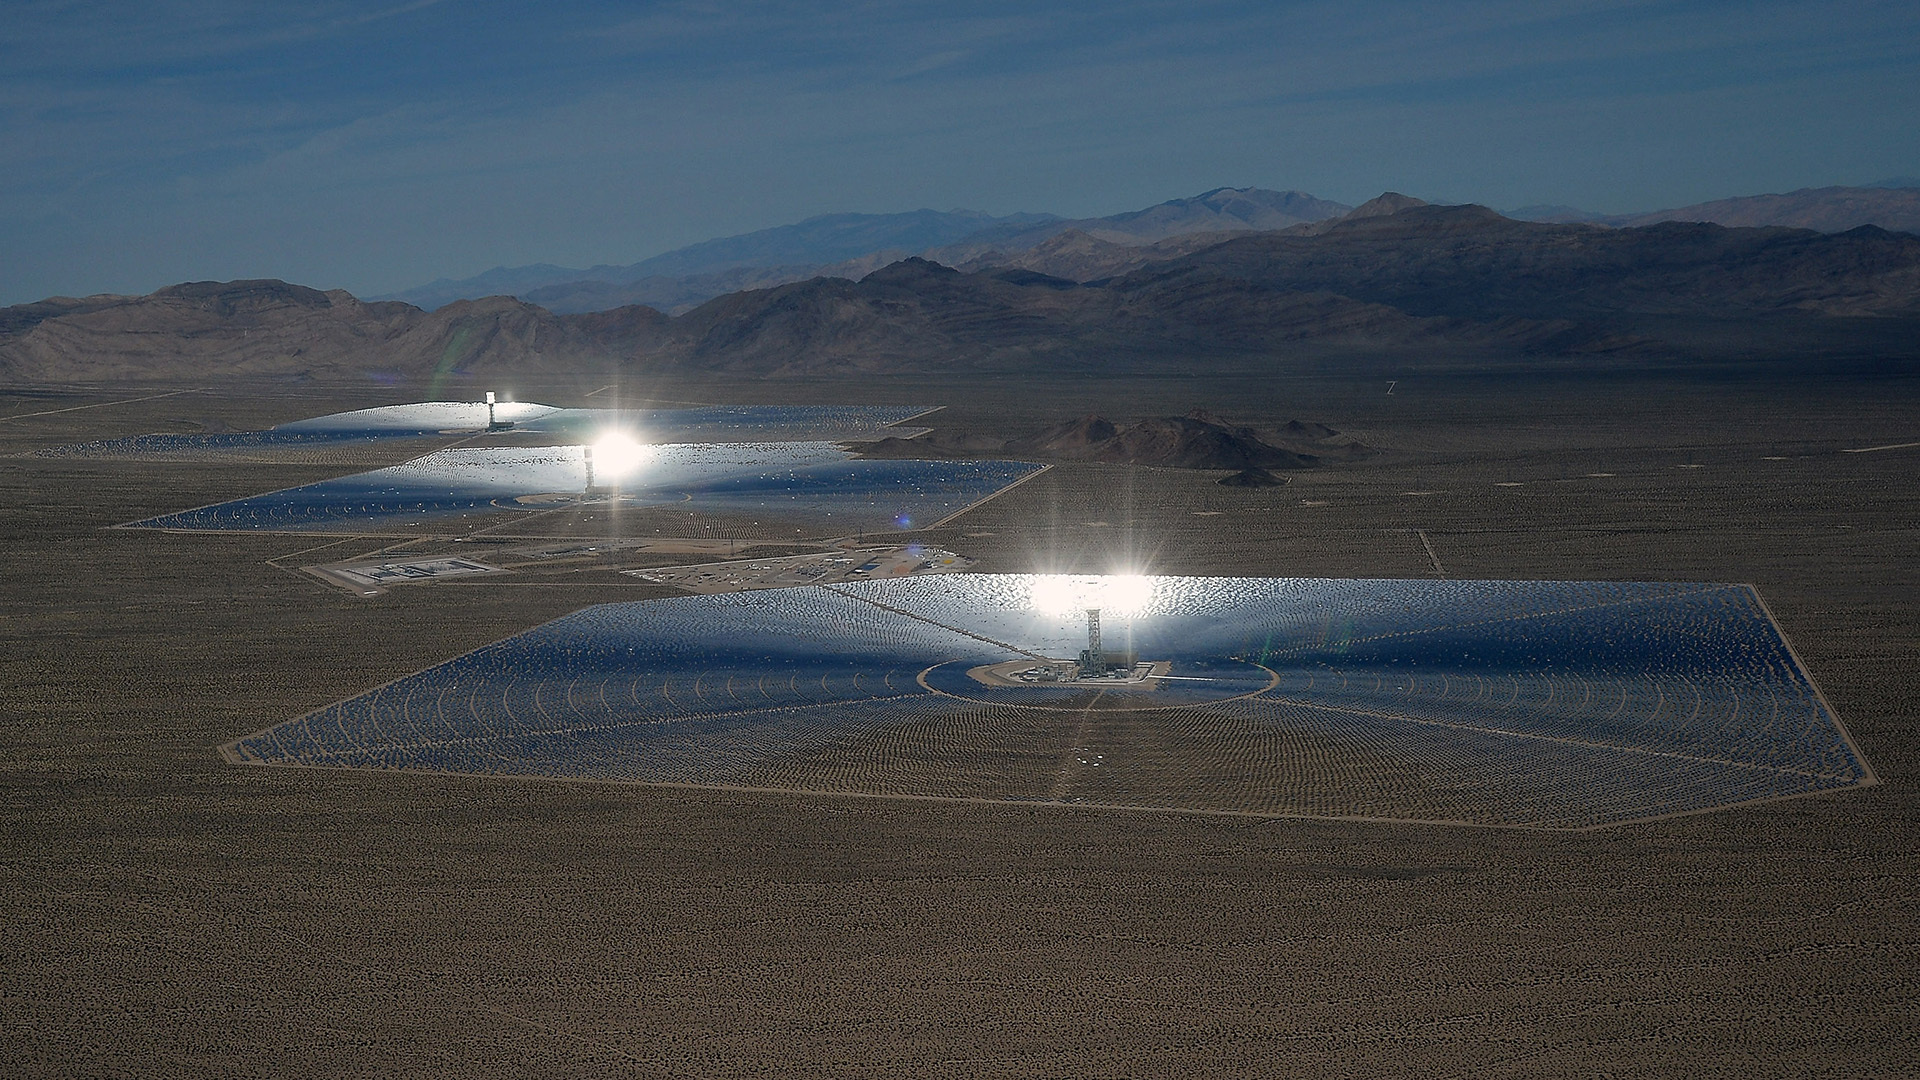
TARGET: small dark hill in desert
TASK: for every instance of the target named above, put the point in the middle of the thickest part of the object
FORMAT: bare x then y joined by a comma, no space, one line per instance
1195,441
1186,443
1252,478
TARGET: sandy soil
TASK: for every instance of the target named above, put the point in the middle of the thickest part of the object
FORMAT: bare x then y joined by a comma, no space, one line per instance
170,914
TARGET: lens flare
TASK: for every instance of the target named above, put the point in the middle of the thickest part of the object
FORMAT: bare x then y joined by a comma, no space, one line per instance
1125,595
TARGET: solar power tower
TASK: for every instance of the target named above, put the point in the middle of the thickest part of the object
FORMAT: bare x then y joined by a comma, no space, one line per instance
492,423
1093,659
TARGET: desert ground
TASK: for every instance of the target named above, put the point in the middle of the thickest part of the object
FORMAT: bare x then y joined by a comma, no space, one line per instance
168,913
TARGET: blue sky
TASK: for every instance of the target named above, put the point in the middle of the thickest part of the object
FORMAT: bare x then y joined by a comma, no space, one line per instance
377,145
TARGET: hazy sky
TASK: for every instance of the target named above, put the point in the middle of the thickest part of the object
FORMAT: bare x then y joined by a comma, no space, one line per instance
376,145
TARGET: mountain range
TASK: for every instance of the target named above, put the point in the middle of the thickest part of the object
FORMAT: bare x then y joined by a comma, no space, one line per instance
1393,278
850,245
809,245
1891,204
853,245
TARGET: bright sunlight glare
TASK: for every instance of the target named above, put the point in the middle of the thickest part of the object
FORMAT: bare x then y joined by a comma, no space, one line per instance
616,455
1116,594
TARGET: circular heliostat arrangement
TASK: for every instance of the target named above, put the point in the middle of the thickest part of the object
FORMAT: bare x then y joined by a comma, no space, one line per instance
1541,704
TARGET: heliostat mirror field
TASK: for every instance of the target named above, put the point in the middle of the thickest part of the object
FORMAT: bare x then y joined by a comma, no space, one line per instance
1541,704
732,463
815,484
425,419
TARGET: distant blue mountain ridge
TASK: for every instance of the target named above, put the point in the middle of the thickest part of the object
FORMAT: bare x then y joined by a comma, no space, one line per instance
682,278
1893,204
853,245
828,238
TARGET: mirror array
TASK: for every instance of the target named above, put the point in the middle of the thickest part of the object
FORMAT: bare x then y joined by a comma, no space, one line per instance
706,423
1536,704
815,484
739,462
